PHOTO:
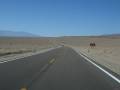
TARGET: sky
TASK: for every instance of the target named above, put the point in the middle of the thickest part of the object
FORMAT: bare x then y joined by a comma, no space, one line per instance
61,17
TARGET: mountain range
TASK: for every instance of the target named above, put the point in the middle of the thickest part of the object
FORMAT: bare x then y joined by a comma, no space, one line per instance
4,33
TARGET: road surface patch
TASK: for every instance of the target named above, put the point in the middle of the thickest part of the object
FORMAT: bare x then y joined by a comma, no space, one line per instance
52,61
38,74
23,88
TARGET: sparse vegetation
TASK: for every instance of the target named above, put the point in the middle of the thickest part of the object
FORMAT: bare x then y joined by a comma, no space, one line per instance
21,45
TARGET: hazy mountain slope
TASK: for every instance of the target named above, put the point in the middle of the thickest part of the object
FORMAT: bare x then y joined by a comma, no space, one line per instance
15,34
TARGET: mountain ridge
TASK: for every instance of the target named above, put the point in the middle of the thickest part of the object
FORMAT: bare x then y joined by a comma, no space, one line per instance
15,34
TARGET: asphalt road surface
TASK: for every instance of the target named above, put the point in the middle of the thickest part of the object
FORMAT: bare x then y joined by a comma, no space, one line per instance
59,69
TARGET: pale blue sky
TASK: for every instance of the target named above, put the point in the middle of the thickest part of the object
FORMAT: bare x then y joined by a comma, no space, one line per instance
61,17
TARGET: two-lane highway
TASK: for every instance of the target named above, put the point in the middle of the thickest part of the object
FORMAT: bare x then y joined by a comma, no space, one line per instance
18,73
59,69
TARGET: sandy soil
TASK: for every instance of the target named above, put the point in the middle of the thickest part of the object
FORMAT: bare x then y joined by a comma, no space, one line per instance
23,44
84,41
20,47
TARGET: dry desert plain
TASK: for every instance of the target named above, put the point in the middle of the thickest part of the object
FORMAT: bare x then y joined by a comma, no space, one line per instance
21,44
106,52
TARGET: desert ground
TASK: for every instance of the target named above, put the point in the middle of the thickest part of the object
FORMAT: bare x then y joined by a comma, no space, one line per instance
17,45
106,52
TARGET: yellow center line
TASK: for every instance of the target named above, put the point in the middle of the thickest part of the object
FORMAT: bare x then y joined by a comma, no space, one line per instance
23,88
52,61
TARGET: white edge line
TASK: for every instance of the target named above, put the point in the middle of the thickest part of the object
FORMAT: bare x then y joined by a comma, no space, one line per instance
42,51
115,78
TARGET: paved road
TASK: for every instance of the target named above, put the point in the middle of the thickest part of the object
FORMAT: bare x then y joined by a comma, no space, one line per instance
59,69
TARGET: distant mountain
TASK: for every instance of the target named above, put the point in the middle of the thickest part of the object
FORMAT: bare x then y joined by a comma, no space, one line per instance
15,34
111,35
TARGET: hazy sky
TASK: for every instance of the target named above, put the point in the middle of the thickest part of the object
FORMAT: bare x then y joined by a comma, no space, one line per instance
61,17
